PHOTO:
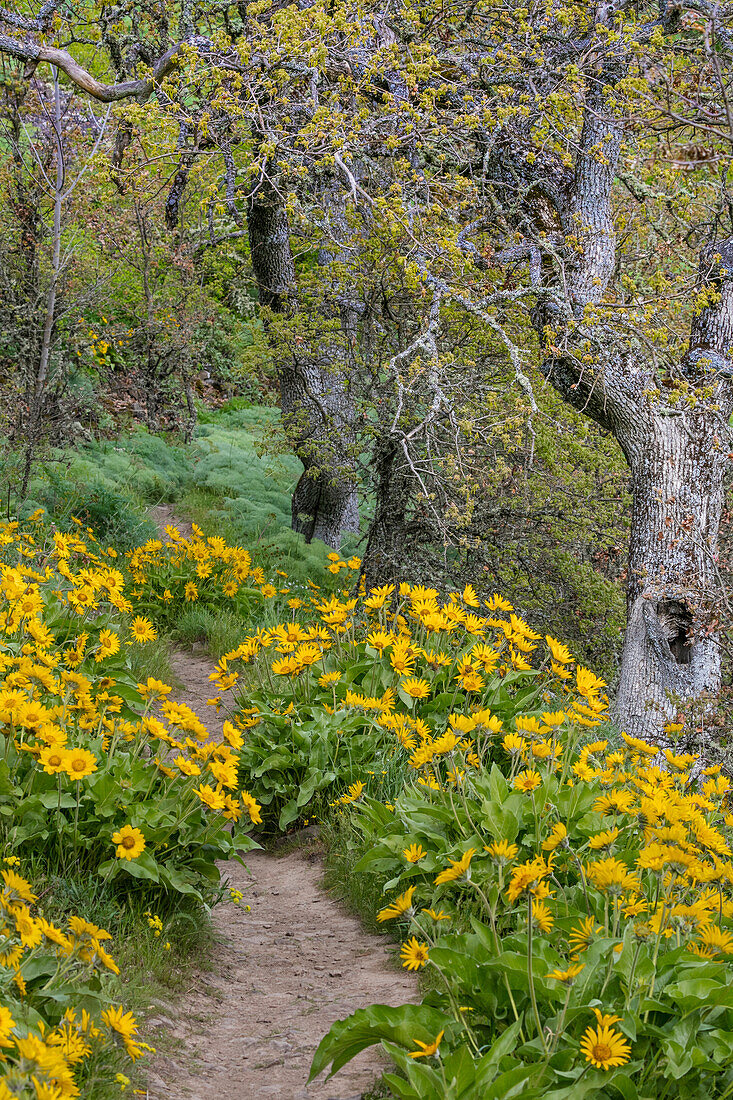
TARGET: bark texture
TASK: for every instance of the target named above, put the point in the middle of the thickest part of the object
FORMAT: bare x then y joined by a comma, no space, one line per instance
316,405
669,656
676,450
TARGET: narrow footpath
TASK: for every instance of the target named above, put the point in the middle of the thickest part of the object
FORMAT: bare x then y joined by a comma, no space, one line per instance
280,975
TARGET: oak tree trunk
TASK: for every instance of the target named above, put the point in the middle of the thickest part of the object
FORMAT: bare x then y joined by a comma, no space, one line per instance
316,405
671,656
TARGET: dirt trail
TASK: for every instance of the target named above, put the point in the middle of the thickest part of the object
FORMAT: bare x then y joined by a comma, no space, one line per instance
281,974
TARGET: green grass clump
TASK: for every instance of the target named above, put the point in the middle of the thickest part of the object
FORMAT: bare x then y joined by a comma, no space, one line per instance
244,493
220,632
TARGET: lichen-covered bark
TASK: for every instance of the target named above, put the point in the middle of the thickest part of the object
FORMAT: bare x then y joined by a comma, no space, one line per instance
669,655
676,452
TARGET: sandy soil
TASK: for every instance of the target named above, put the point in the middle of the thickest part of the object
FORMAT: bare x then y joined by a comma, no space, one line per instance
280,975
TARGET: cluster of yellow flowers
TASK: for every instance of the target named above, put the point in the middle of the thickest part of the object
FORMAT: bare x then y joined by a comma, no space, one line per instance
45,699
85,746
190,568
42,1057
478,704
429,646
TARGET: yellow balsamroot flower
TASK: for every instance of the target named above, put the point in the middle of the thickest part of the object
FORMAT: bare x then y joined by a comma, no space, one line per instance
488,720
465,723
187,767
353,794
53,759
415,688
26,927
427,1049
379,640
329,678
414,853
124,1025
612,876
153,688
447,742
560,653
681,762
553,718
225,773
542,916
469,596
16,889
715,941
287,666
604,839
498,603
400,907
109,644
7,1023
527,781
567,977
54,935
502,851
529,878
580,938
528,724
588,683
458,868
556,837
414,954
436,915
143,630
35,1052
605,1047
514,744
252,807
232,736
79,763
130,842
213,799
402,658
518,662
617,802
637,745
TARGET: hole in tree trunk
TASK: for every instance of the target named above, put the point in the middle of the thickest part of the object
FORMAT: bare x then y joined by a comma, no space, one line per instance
676,621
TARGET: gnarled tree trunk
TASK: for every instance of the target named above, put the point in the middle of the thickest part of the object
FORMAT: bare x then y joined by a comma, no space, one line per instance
677,457
316,405
670,655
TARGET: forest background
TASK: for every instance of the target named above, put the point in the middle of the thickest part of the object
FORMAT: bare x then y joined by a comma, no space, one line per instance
477,259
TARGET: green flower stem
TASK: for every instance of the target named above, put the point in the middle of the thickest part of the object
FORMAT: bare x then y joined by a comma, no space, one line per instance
497,948
530,975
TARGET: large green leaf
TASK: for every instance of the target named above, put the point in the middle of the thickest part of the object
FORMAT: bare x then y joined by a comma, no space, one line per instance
371,1025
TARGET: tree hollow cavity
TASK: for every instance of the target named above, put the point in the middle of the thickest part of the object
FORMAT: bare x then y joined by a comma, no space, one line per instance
676,620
